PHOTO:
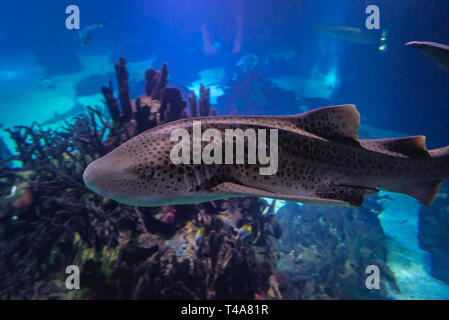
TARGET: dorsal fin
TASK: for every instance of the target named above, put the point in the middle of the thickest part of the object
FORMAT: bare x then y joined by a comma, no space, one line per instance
439,52
329,122
409,146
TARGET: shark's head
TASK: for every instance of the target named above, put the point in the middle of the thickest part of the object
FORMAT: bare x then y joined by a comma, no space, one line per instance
102,174
131,174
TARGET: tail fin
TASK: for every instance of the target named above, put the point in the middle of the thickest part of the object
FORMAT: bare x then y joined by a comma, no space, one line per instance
440,153
424,192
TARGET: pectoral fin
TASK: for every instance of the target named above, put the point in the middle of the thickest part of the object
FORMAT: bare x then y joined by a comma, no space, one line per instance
354,195
237,190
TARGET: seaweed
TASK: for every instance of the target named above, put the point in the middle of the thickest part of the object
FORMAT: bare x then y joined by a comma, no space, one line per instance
51,202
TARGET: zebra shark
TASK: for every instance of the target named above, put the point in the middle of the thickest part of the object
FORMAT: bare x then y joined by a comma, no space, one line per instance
321,161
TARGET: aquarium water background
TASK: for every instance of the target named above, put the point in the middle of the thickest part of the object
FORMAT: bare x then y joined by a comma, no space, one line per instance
264,57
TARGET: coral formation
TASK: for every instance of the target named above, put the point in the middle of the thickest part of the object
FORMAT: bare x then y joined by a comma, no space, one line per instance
5,153
183,265
202,107
325,253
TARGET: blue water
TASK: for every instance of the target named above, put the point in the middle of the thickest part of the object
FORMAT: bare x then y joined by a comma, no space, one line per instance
45,71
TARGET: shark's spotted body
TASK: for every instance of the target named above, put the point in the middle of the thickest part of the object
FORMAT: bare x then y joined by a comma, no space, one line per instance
321,161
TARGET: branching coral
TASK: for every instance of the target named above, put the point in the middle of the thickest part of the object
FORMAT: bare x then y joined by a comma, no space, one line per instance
159,105
50,202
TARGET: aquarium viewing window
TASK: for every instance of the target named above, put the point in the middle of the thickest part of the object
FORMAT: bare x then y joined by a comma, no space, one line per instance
234,158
